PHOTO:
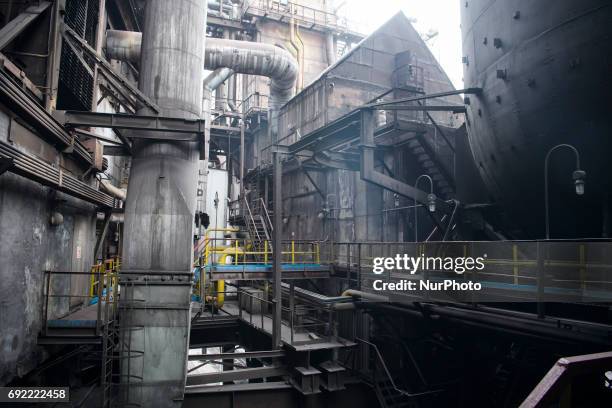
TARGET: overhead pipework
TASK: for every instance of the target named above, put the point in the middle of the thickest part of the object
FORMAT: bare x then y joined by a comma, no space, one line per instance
251,58
242,57
107,187
211,83
124,45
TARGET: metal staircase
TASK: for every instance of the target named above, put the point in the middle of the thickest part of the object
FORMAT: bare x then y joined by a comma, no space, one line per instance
432,165
259,225
389,397
386,388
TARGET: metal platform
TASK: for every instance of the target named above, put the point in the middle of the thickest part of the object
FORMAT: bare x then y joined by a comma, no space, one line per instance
264,271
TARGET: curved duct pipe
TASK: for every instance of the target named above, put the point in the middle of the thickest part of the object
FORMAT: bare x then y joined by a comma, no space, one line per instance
124,45
243,57
116,192
216,78
211,83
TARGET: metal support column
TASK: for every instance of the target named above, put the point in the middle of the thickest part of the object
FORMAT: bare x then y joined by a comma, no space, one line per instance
242,155
277,250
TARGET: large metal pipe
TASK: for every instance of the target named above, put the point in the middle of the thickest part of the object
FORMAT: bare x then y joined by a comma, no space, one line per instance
159,211
252,58
211,83
216,78
243,57
107,187
123,45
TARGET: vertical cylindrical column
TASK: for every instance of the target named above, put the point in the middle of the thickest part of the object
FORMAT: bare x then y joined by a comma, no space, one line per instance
160,207
277,250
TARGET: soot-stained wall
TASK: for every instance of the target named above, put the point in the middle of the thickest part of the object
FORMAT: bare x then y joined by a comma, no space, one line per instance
29,245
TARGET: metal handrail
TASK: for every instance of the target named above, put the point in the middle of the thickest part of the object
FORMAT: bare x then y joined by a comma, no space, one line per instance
559,377
388,374
267,214
251,219
296,252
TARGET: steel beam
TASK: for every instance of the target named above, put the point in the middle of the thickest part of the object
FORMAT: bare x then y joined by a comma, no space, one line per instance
20,75
194,127
232,356
243,374
385,104
16,26
302,274
425,108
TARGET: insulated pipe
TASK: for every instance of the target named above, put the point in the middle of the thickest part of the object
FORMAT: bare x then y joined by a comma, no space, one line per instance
119,193
252,58
365,295
216,78
211,83
243,57
123,45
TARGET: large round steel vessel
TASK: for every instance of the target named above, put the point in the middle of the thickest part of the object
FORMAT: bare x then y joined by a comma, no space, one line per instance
544,67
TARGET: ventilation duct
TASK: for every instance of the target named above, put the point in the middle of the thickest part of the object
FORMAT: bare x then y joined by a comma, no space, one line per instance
242,57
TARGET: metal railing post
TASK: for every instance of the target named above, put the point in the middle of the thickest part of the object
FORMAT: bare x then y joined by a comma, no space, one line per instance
292,252
541,281
265,251
99,308
47,303
359,266
291,307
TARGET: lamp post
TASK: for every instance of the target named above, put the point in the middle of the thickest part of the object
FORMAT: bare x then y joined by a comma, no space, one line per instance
578,176
431,203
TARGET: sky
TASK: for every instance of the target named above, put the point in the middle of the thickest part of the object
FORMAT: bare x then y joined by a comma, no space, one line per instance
428,15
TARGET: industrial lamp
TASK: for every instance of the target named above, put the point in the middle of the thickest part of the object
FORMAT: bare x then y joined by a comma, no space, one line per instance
578,176
431,202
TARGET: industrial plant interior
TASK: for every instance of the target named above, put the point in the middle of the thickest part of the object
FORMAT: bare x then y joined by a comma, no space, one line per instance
195,196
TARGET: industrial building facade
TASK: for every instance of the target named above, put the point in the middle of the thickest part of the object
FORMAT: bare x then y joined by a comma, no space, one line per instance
201,200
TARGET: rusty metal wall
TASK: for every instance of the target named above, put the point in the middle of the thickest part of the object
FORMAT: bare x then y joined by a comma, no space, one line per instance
357,209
